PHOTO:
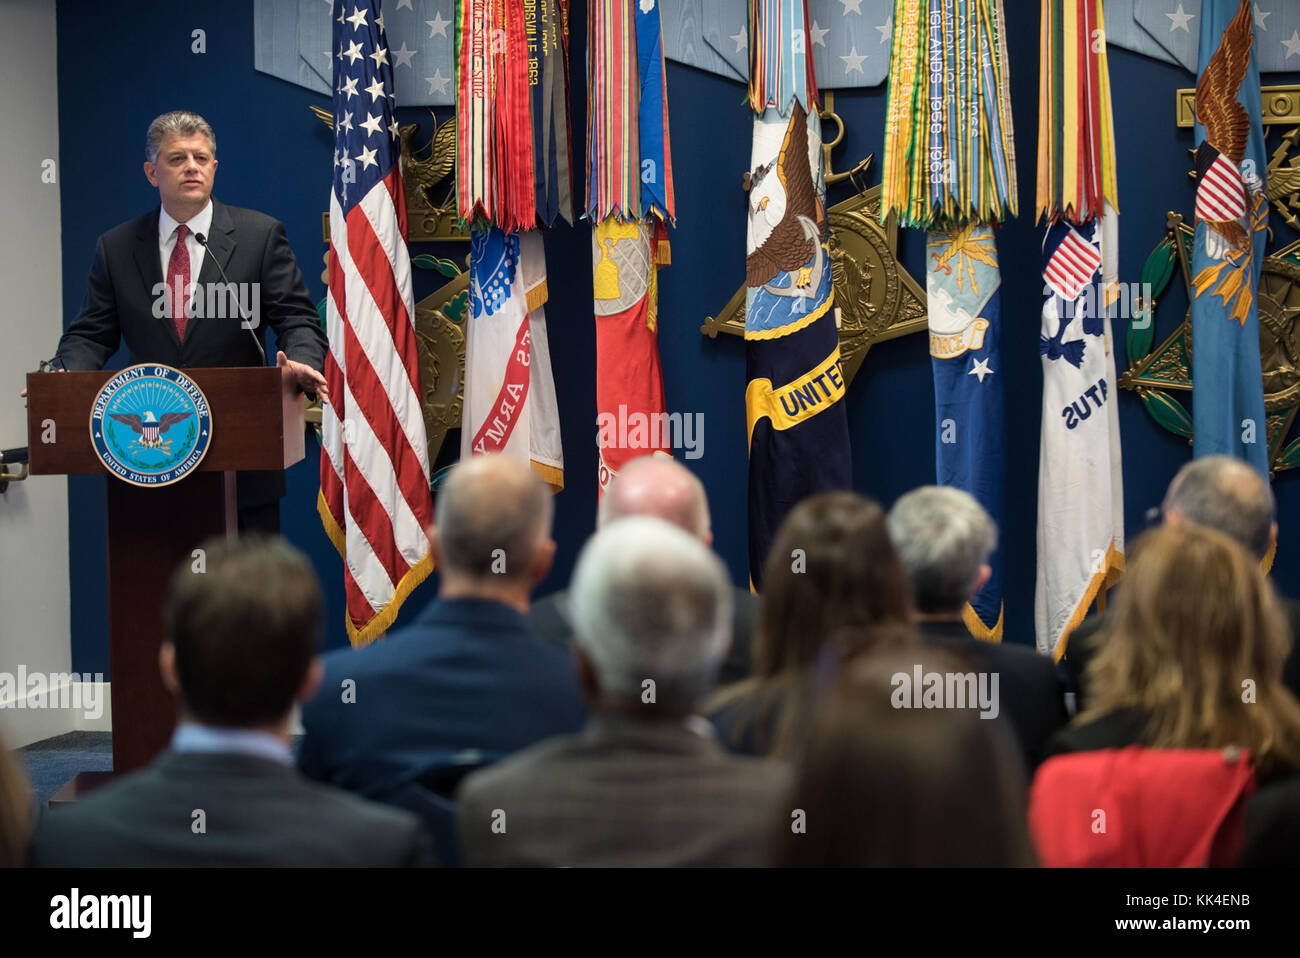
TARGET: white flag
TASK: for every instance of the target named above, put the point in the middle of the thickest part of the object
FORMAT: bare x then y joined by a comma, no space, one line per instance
1080,491
509,401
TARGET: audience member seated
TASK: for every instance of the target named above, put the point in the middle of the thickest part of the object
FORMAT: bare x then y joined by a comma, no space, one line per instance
645,783
832,588
944,539
887,786
1141,807
1273,827
1222,493
662,487
242,649
17,810
1193,657
466,683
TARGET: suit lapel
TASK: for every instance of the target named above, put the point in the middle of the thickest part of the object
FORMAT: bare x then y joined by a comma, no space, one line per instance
148,261
221,247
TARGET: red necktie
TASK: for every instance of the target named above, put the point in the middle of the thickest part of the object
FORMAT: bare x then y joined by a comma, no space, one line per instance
178,280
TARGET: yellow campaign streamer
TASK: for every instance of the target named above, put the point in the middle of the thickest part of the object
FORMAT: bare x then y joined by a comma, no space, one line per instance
791,404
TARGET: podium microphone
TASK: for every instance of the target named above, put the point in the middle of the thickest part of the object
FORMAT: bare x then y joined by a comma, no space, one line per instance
203,241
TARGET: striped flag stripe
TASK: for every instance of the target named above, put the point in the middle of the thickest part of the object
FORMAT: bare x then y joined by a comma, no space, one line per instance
372,455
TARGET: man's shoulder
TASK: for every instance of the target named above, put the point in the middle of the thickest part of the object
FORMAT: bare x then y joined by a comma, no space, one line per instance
128,231
243,221
528,768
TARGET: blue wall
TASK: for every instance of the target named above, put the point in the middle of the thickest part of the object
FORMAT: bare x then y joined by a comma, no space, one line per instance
120,65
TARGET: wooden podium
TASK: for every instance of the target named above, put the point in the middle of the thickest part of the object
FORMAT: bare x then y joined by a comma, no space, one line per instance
257,423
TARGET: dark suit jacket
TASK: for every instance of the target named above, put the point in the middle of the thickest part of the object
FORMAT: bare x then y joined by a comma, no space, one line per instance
465,684
1030,693
1087,638
258,813
549,619
252,248
625,792
1273,827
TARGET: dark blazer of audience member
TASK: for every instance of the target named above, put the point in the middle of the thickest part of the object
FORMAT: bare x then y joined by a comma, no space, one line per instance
894,787
242,650
17,810
1225,494
832,588
466,683
662,487
944,539
645,783
1193,658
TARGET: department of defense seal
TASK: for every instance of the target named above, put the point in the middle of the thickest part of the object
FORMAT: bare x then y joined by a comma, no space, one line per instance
150,425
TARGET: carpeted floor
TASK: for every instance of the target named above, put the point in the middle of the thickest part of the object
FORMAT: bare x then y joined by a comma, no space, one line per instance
51,763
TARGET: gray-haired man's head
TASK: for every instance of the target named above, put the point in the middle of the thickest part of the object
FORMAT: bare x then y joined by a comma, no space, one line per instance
1227,495
651,603
944,539
180,123
492,522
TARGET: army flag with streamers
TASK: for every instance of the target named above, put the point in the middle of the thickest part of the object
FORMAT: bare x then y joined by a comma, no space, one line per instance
630,203
949,168
509,401
794,393
512,169
1228,415
1080,484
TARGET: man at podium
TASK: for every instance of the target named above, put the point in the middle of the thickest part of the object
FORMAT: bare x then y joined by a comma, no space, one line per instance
194,283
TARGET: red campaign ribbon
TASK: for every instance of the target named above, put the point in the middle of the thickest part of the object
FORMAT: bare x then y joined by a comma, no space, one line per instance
515,122
500,422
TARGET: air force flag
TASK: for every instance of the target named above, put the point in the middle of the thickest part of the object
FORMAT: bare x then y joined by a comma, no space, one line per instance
965,316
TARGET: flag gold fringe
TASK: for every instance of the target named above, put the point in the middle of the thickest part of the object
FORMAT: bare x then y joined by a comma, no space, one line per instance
385,617
1266,563
550,475
536,297
332,529
1110,573
977,627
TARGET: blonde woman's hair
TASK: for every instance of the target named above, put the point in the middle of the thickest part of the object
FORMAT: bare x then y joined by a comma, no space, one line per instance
1198,641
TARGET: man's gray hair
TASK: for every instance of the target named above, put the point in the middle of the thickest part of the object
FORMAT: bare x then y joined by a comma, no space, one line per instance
175,123
650,601
1227,495
491,515
943,536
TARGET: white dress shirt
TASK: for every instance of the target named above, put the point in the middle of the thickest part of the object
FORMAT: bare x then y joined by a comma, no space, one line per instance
201,222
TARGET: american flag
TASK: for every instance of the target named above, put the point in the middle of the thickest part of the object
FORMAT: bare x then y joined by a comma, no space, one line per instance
375,501
1072,266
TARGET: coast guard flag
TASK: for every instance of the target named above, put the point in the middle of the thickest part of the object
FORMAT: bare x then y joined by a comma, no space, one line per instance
796,421
1231,223
374,501
964,302
1080,489
509,399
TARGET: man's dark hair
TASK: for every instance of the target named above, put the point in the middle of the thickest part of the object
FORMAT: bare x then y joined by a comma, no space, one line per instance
246,624
1227,495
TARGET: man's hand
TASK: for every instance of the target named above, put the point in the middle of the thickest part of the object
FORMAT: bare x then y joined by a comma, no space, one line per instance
308,380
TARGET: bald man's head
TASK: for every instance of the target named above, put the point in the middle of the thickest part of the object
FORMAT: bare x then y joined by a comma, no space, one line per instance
1227,495
661,487
493,517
